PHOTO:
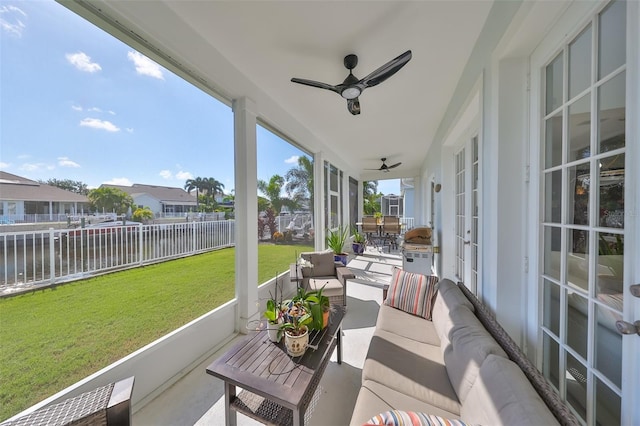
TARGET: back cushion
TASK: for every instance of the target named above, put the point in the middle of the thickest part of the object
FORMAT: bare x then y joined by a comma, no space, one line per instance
411,293
502,395
449,298
323,264
470,344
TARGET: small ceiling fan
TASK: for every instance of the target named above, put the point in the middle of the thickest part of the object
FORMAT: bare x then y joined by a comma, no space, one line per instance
351,88
384,167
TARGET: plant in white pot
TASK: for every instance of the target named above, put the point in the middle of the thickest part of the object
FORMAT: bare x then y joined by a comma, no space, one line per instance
274,315
297,319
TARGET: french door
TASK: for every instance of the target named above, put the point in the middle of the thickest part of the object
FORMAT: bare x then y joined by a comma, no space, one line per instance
466,214
584,221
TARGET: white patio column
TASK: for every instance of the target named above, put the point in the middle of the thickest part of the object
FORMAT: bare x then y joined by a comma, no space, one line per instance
418,201
318,208
246,210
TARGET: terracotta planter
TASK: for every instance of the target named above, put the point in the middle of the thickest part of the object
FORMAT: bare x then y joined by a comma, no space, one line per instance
325,318
296,345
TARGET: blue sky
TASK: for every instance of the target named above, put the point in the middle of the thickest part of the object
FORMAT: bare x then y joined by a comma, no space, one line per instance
78,104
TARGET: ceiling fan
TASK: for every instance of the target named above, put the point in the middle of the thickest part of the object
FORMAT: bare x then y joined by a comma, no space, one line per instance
351,88
384,167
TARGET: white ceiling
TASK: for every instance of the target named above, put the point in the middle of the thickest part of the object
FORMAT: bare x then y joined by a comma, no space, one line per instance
254,48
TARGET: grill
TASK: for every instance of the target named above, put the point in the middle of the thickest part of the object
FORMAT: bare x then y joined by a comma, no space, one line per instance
417,258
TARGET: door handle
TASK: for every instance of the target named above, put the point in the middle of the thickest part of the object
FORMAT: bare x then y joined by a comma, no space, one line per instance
625,327
635,290
466,243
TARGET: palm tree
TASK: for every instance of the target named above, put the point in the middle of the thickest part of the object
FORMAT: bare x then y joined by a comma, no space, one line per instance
370,197
300,181
272,190
214,187
198,184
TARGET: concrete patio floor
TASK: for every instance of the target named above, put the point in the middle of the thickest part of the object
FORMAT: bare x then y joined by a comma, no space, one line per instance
198,398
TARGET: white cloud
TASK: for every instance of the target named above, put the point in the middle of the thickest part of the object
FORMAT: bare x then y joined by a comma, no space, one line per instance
145,66
123,181
94,109
166,174
34,167
76,108
96,123
292,160
82,61
4,165
184,175
10,20
111,112
65,162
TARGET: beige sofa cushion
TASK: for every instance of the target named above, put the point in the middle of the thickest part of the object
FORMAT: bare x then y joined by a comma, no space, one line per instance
375,398
470,344
449,297
323,264
410,367
502,395
415,328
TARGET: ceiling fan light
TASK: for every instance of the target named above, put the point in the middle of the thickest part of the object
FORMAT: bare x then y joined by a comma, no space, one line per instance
350,93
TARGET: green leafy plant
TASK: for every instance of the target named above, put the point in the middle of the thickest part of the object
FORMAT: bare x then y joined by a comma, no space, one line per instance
318,304
336,239
296,314
358,238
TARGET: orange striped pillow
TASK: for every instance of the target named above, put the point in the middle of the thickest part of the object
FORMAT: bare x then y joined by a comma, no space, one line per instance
412,293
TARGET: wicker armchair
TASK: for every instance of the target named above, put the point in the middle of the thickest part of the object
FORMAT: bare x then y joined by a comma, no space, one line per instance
325,273
108,405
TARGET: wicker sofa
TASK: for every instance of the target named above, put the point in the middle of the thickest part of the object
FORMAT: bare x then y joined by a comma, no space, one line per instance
325,272
460,366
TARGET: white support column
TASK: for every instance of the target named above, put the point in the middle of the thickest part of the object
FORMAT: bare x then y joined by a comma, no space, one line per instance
419,191
318,208
246,210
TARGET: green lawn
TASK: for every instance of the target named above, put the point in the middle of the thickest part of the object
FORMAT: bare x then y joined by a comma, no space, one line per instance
52,338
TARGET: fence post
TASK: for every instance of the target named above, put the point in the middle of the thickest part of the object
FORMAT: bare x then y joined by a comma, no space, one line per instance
193,235
52,256
140,245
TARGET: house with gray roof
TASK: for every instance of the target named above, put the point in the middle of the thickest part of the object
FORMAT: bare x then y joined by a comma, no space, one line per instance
25,200
161,200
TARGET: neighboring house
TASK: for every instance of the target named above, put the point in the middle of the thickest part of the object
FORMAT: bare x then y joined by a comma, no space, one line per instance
162,200
25,200
392,205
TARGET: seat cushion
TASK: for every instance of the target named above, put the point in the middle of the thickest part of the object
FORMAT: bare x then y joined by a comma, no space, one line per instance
410,367
502,395
412,293
403,324
375,398
332,287
448,298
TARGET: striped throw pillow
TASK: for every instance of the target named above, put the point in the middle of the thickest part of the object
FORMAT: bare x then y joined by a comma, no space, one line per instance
412,293
411,418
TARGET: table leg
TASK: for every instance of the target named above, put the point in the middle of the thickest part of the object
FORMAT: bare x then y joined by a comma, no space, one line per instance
298,417
339,345
229,414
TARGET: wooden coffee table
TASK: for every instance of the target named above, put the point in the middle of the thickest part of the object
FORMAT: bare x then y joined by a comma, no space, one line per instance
277,389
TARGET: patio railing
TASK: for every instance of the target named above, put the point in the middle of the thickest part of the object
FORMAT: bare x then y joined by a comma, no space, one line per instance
35,258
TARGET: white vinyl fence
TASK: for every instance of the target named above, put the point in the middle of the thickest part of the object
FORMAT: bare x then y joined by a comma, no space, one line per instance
35,258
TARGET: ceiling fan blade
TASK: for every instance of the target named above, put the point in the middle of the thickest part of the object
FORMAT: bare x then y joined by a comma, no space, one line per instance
385,71
317,84
353,105
393,166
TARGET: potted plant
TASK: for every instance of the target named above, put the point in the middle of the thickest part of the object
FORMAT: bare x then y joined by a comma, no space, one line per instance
296,331
320,306
358,242
335,241
274,315
378,216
